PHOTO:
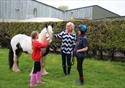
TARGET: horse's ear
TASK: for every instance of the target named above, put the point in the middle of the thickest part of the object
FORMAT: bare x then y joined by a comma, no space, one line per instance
52,25
46,25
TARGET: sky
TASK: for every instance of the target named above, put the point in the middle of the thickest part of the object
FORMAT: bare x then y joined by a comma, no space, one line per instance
116,6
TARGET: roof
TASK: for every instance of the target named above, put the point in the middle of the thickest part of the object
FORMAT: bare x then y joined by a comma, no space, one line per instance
37,19
114,18
41,19
48,5
93,6
107,10
78,8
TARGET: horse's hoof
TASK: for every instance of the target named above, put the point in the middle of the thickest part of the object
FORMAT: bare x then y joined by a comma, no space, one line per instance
30,74
46,73
15,70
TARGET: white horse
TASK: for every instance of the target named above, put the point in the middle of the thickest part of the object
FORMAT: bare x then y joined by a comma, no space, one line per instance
22,43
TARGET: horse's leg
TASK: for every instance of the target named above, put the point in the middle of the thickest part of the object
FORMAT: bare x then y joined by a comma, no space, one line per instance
43,62
31,72
15,66
43,71
17,54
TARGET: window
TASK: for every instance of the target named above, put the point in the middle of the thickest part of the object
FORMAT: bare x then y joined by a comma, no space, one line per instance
17,10
72,15
35,12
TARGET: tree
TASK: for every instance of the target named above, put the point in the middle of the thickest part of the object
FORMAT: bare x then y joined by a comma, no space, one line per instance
63,8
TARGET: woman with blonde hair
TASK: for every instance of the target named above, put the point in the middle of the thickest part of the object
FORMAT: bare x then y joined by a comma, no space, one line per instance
68,42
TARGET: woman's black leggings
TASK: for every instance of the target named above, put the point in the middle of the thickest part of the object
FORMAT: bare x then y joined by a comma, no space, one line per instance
79,66
66,63
37,67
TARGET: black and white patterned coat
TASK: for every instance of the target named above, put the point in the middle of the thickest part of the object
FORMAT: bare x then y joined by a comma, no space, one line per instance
68,42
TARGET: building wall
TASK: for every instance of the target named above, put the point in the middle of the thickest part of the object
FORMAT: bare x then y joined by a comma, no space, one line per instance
99,13
80,13
24,9
13,9
43,10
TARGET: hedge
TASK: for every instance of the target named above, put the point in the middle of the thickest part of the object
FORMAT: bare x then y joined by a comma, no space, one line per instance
103,36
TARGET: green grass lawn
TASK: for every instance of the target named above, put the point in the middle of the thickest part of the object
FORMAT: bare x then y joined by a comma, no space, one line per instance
98,74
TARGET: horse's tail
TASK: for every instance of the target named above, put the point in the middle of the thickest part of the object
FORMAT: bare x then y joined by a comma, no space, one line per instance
10,57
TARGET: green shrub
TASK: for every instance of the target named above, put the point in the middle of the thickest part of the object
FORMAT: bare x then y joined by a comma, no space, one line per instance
103,36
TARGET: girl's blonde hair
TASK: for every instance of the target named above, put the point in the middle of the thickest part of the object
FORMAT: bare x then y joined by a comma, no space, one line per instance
33,34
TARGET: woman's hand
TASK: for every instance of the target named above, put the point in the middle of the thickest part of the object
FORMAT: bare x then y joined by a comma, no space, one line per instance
47,35
82,50
48,38
77,51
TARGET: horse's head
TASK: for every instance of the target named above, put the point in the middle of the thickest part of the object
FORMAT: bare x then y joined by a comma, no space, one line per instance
48,30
